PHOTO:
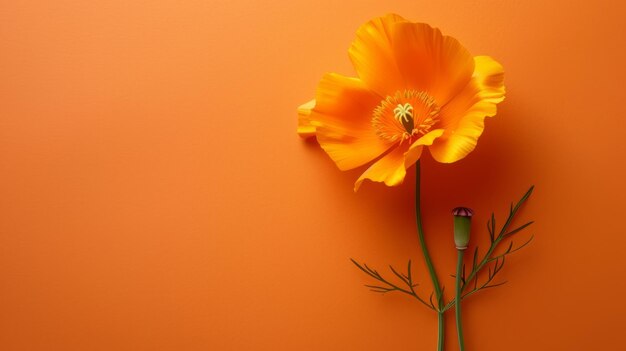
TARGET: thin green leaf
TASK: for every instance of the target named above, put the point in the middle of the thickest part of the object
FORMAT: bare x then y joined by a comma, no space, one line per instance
518,229
400,276
494,285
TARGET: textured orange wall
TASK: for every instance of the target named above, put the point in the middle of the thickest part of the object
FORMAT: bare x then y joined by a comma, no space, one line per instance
154,194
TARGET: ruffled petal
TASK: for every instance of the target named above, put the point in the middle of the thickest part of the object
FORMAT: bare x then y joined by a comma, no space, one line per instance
415,150
389,169
372,55
430,61
342,118
392,54
463,117
305,129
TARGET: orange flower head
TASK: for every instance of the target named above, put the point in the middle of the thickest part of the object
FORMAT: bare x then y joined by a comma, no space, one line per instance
415,88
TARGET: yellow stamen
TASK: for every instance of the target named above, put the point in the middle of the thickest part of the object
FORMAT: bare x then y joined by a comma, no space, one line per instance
415,113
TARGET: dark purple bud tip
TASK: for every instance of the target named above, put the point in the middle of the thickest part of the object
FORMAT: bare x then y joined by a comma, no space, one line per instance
463,212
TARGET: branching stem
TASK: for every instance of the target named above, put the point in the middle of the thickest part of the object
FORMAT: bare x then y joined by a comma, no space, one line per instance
489,257
388,286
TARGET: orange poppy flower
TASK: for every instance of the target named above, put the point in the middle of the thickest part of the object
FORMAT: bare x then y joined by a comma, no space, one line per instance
416,88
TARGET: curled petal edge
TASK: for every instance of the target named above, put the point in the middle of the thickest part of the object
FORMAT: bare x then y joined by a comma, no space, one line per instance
305,128
391,168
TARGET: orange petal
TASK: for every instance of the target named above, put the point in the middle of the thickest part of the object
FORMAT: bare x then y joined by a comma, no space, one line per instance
389,169
305,129
463,117
415,151
342,118
372,55
430,61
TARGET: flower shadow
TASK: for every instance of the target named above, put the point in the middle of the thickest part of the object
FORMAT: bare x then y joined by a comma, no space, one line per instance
482,181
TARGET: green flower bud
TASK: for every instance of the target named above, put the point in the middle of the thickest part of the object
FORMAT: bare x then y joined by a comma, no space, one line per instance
462,221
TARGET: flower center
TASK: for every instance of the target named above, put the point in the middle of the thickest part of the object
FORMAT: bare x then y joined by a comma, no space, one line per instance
404,115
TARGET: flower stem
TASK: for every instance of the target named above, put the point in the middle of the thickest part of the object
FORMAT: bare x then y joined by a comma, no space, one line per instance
459,323
440,337
429,262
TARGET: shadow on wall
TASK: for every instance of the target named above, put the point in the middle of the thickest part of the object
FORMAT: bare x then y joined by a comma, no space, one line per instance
487,180
499,155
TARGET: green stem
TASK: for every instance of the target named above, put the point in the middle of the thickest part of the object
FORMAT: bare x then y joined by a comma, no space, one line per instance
429,262
459,323
440,329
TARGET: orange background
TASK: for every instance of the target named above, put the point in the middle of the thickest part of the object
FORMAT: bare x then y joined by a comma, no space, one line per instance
154,194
